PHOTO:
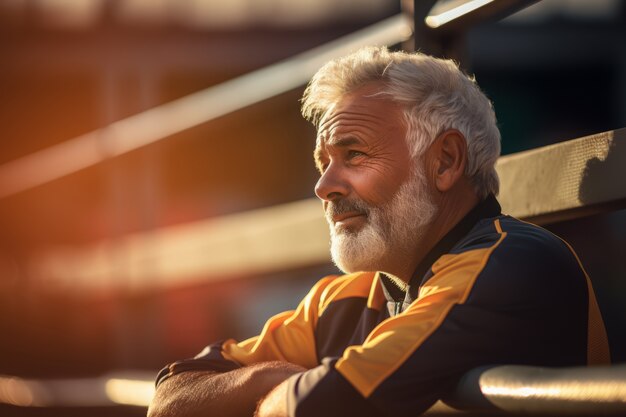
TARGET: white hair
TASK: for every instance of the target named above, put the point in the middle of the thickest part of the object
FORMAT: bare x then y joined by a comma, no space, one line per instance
435,95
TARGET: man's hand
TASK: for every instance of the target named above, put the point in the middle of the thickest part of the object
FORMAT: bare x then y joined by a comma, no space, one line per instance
233,394
275,403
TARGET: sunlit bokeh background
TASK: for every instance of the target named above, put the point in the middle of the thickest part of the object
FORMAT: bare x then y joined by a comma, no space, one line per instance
146,208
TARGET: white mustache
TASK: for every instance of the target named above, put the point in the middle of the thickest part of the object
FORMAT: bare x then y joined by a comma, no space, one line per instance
335,208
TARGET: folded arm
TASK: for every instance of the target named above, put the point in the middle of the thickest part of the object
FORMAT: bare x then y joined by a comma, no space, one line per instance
205,393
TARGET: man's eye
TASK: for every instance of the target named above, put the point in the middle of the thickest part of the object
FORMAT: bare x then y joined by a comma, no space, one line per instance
354,154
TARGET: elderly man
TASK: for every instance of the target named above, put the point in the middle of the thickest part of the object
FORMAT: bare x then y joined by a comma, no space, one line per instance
406,149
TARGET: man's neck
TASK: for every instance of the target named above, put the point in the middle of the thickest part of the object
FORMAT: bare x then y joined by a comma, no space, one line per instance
451,208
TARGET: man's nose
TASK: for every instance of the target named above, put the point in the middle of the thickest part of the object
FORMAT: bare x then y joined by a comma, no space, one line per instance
332,184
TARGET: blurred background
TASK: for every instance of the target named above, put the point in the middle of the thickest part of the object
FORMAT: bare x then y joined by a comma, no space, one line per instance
118,256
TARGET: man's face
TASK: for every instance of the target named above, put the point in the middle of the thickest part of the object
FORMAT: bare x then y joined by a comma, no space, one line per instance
375,197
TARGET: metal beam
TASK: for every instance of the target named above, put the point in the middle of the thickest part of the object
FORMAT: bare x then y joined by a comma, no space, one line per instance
461,16
596,390
440,28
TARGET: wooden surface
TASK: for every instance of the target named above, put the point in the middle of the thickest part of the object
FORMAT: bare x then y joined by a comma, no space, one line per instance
566,180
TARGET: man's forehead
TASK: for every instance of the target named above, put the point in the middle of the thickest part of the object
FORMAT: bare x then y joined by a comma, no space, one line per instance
358,97
335,141
363,113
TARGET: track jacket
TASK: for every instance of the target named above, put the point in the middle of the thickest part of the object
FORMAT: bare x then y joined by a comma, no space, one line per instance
495,290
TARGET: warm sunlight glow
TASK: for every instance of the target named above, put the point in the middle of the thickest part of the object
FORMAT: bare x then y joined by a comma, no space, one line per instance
16,391
168,119
130,392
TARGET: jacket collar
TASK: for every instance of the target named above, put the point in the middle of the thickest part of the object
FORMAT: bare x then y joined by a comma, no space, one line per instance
488,208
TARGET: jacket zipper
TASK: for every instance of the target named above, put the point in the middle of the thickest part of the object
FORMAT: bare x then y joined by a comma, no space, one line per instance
397,309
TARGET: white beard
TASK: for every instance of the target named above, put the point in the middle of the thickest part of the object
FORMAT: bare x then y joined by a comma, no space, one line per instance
394,227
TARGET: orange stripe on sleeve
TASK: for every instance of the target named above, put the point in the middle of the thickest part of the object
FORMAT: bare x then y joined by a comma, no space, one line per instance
598,352
288,336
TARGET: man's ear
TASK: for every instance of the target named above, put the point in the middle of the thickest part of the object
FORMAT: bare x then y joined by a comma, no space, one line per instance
449,153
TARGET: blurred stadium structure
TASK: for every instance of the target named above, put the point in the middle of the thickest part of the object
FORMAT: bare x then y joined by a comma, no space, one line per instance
130,253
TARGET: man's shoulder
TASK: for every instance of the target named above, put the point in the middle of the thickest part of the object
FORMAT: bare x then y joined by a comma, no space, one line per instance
506,233
519,259
506,249
527,239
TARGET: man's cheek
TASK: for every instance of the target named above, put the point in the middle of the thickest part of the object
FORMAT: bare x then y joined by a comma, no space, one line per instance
373,190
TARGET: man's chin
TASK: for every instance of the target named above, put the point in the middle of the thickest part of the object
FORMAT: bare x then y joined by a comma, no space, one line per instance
354,259
348,267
